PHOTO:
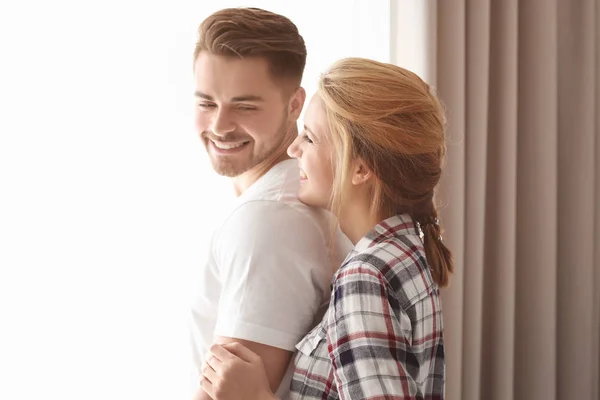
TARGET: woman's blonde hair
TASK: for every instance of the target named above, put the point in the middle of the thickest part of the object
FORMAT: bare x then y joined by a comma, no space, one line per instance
389,118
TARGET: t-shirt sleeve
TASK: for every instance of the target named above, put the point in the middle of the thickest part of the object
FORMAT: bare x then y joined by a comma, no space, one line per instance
273,264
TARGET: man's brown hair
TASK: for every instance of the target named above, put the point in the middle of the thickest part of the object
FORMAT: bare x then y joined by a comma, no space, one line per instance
253,32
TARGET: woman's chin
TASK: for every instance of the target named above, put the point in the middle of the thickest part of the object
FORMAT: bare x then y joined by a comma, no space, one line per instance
311,200
305,199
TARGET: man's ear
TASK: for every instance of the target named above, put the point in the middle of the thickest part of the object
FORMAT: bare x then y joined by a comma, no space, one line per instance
296,103
361,173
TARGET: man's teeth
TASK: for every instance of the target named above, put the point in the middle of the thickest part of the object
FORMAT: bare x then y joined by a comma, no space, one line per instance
228,146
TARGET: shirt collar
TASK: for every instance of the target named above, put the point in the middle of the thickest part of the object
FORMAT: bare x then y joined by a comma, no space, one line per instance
398,225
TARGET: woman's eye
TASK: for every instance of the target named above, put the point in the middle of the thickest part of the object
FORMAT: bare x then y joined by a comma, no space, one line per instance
306,138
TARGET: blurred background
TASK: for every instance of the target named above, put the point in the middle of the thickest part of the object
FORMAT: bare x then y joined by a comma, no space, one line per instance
107,200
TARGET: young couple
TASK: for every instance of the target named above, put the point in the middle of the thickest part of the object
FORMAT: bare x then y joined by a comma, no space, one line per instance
290,305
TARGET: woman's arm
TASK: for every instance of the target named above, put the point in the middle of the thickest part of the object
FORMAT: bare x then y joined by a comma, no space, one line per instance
370,339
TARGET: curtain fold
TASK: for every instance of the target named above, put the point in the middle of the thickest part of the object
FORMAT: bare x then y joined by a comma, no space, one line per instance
595,351
536,236
498,362
476,116
576,197
451,28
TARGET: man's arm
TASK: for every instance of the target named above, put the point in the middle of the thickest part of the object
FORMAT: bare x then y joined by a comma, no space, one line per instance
273,281
274,359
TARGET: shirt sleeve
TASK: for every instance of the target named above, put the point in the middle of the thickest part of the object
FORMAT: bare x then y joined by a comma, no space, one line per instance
274,270
369,338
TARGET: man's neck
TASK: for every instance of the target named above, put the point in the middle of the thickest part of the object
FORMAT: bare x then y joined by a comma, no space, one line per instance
242,182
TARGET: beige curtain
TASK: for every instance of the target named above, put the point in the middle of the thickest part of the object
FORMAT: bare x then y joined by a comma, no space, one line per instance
521,197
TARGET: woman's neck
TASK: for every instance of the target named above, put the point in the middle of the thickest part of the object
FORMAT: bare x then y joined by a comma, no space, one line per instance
357,220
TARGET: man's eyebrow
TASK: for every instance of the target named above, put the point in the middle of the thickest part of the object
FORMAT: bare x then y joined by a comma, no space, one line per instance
236,99
248,97
202,95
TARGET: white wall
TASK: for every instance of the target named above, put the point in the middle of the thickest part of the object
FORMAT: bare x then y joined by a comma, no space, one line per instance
106,198
413,36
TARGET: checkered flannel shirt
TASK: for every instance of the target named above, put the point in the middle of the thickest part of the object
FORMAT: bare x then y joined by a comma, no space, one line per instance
382,335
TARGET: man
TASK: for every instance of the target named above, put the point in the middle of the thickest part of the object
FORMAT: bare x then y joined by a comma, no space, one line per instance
267,279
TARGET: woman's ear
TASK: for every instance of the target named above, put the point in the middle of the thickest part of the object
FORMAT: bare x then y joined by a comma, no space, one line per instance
361,173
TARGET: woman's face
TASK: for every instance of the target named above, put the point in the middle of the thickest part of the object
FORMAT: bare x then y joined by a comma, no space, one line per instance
315,153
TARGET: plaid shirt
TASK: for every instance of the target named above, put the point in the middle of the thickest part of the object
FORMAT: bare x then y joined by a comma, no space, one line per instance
382,335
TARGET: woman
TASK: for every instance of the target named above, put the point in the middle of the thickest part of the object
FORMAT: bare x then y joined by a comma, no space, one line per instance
371,152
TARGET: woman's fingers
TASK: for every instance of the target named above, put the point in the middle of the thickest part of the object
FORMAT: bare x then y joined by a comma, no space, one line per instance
227,376
221,353
233,352
213,361
241,351
209,372
207,386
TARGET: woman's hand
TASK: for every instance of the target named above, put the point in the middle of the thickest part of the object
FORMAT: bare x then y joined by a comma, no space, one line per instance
232,371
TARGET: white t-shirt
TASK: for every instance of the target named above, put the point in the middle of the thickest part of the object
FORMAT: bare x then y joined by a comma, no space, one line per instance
269,269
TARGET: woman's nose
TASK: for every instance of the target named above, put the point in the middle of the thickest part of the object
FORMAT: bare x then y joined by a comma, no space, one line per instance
294,149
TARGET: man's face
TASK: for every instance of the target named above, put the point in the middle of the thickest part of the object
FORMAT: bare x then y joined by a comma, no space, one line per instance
241,114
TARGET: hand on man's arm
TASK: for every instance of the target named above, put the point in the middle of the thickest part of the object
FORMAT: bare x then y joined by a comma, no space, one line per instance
275,361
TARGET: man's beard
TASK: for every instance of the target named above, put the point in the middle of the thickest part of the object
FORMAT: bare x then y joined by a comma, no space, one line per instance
237,164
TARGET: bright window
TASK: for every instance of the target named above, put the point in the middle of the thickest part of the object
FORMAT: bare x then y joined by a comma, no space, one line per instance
107,198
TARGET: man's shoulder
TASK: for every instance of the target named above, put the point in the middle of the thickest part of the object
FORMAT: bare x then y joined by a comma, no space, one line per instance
280,183
263,215
275,200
